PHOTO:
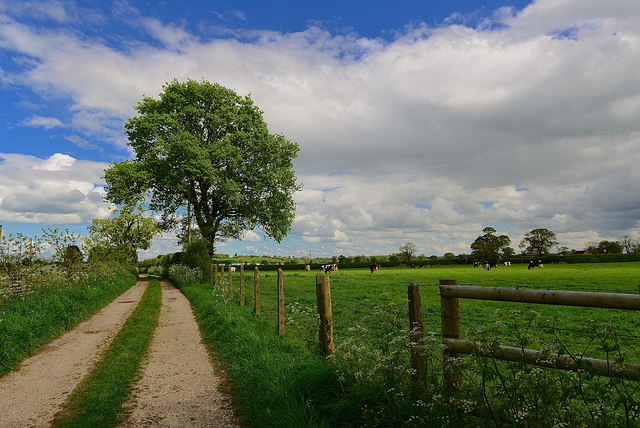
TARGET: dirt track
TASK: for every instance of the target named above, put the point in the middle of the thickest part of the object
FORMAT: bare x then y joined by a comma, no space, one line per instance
178,388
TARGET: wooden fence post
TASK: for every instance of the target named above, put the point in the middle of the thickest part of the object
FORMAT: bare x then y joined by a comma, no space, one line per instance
256,291
280,303
450,313
325,324
230,284
241,285
221,277
417,343
211,274
215,281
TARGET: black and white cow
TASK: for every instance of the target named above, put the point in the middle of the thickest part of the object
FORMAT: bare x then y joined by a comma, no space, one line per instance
374,267
329,268
535,263
490,265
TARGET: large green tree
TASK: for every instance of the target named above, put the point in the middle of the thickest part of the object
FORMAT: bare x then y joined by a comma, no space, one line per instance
203,146
538,242
490,246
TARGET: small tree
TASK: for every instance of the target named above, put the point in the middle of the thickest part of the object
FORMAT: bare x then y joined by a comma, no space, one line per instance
538,242
65,245
120,236
408,251
196,256
628,244
609,247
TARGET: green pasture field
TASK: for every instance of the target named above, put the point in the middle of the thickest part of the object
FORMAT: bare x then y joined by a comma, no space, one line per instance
369,307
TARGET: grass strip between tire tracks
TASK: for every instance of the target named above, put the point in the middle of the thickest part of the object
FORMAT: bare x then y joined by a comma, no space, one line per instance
98,401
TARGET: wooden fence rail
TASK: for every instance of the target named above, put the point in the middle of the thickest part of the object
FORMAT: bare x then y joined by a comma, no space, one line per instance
450,292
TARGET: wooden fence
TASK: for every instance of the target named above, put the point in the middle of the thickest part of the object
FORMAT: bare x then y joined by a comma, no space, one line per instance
450,293
323,295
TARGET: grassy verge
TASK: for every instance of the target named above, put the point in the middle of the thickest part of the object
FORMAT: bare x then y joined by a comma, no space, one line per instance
28,323
263,368
98,401
278,382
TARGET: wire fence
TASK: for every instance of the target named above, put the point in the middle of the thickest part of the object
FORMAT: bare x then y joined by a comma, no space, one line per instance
12,285
353,313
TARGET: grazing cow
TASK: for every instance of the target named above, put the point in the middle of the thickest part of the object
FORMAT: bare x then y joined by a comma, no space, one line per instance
329,268
232,269
533,264
507,264
477,264
307,268
490,265
373,267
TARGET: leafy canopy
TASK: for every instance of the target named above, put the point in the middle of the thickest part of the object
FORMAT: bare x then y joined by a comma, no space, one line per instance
201,144
122,235
490,247
538,242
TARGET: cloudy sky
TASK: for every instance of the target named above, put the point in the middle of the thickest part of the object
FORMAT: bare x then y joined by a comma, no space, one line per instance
417,121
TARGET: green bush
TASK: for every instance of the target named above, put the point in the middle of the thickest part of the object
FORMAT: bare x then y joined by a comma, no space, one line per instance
196,256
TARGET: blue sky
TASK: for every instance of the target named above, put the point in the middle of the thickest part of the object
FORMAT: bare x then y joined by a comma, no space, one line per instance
417,121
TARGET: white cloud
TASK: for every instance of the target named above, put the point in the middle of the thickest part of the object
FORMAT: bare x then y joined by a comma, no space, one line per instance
43,122
56,191
251,236
56,162
40,10
433,134
170,35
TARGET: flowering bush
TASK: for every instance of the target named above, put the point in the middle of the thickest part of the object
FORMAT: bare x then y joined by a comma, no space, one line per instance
182,275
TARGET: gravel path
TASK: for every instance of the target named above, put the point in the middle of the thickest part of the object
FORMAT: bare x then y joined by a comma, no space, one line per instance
179,386
32,395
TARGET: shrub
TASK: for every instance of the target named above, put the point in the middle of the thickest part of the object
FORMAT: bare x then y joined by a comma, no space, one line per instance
196,256
181,275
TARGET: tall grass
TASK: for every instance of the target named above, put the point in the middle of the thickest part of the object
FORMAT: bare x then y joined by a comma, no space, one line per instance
98,400
27,323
